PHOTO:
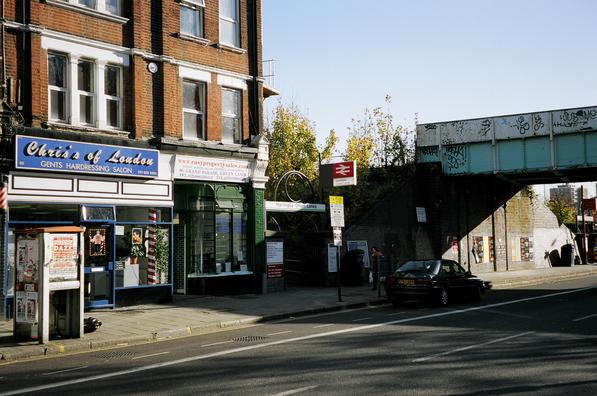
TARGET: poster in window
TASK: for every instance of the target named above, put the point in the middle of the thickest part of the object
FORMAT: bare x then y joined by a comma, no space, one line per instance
65,258
97,241
137,236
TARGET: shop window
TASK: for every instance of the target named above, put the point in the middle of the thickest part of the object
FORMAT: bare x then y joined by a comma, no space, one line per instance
216,220
231,115
134,214
97,213
43,213
229,27
194,110
191,17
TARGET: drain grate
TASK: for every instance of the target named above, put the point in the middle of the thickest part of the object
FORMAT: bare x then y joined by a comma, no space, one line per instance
249,338
115,354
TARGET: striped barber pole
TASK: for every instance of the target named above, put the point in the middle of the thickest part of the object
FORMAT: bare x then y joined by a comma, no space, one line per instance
3,197
151,241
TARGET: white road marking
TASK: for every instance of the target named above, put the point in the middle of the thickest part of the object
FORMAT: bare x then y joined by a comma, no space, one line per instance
323,325
584,317
66,370
146,356
216,343
280,332
466,348
361,319
274,343
395,313
297,390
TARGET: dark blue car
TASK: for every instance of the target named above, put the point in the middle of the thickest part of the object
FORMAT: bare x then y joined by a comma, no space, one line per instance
438,281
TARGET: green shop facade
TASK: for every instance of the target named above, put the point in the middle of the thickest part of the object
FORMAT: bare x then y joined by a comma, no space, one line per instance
219,222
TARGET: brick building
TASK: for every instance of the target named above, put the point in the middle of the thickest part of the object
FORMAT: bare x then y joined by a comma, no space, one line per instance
141,121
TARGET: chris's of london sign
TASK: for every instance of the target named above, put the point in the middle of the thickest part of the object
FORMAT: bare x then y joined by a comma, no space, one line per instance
67,156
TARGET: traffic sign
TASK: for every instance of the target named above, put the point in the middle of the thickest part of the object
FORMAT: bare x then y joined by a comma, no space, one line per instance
336,211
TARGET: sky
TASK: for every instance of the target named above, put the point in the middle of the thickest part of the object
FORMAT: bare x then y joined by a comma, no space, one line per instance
443,60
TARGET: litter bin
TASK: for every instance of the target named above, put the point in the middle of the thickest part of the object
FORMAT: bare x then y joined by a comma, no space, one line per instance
352,268
567,258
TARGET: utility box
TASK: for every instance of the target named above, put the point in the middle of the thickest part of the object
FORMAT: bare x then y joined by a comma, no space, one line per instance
48,283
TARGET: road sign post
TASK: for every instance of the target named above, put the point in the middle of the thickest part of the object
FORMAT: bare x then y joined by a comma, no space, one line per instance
337,222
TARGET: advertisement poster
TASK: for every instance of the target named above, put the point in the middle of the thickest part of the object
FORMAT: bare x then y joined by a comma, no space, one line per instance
332,258
21,304
97,242
64,263
31,310
275,259
27,260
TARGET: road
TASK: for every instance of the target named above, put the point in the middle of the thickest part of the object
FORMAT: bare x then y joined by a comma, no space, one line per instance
539,340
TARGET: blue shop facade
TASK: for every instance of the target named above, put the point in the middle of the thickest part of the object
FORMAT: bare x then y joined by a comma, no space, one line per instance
123,197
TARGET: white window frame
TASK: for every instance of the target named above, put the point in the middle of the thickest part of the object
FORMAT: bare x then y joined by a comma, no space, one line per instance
99,5
237,116
236,23
118,98
195,112
102,55
199,7
89,94
59,89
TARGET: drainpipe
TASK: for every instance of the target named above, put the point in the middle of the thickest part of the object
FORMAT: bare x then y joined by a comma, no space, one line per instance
506,234
493,241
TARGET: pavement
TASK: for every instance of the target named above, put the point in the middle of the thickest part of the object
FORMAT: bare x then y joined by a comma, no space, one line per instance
195,315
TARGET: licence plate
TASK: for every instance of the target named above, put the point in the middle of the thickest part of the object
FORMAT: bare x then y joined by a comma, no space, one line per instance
406,282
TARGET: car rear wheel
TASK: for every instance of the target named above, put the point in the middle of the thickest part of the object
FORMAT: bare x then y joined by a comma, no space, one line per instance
477,292
443,298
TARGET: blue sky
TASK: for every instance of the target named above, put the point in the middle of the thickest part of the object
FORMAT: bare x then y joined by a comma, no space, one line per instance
444,60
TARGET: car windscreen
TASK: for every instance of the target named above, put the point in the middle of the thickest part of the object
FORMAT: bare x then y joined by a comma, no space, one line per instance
425,266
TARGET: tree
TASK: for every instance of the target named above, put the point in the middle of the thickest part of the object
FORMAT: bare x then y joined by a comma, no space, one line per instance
392,145
565,211
293,146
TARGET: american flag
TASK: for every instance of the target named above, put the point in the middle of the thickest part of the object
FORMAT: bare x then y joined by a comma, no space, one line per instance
3,197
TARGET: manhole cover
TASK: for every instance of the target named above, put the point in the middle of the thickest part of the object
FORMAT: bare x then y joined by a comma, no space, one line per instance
115,354
249,338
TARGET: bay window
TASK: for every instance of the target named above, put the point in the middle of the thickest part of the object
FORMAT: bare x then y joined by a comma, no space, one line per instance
57,87
84,91
112,92
85,85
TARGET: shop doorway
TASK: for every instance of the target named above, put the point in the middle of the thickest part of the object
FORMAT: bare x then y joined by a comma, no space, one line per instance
98,250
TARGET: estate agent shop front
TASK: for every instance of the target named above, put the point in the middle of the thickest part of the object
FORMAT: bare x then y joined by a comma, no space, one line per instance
121,195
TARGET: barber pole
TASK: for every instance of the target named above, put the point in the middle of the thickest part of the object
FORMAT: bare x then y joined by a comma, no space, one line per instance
151,241
3,197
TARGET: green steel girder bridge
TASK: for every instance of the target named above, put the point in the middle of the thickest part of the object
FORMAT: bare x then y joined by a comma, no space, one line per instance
531,148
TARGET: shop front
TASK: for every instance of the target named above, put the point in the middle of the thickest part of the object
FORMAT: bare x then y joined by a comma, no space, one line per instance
218,209
121,195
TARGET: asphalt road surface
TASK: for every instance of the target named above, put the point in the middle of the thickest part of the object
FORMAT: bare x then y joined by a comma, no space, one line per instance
538,340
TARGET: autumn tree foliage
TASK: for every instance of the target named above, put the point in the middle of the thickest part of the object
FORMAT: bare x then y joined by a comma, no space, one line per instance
293,146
